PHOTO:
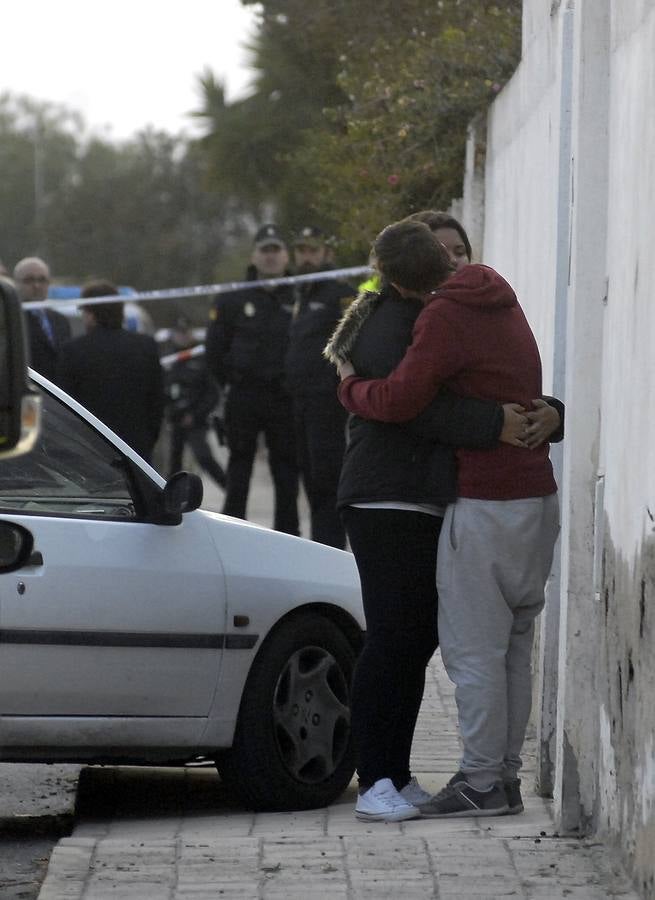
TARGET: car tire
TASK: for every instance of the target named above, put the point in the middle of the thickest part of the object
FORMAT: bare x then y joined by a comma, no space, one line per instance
292,746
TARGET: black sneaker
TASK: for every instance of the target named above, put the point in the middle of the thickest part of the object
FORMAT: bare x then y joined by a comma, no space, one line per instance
514,799
459,798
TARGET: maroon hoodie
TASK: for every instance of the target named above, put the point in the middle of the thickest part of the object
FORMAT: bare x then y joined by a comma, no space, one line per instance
472,336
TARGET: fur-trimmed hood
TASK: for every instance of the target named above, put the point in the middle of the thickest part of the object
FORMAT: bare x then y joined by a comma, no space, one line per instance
339,348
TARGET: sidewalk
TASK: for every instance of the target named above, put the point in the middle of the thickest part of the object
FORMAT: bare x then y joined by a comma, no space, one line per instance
200,844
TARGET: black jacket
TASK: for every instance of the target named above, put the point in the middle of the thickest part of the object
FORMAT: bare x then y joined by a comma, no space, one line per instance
190,390
248,335
319,306
116,375
42,352
403,462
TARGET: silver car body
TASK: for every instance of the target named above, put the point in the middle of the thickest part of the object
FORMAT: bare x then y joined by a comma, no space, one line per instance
127,639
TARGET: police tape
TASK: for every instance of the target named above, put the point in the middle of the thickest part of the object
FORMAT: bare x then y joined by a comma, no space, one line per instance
181,356
201,290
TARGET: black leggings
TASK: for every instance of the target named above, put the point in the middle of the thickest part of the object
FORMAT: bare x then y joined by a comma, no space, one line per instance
396,554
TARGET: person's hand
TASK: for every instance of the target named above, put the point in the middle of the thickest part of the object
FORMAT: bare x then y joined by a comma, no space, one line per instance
543,421
516,425
345,369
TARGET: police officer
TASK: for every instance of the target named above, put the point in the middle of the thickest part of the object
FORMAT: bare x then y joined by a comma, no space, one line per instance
246,344
319,417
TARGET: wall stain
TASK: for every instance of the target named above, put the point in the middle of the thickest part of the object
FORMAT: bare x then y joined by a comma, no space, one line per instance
626,688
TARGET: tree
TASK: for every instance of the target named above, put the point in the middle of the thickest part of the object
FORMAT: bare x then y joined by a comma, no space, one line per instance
37,158
250,143
139,212
398,145
376,125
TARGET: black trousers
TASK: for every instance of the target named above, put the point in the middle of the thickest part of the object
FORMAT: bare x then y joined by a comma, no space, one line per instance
250,410
196,438
396,554
321,440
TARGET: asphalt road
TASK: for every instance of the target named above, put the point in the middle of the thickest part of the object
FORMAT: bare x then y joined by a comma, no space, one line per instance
23,864
37,806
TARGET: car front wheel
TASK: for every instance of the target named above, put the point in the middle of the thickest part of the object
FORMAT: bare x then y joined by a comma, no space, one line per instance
292,747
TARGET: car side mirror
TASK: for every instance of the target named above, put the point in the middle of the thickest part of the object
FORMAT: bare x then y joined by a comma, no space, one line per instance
16,544
20,407
182,494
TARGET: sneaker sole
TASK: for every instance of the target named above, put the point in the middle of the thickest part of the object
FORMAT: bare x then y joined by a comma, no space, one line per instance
466,813
417,801
388,817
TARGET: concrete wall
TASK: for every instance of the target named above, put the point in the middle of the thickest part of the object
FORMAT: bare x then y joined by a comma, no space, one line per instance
569,218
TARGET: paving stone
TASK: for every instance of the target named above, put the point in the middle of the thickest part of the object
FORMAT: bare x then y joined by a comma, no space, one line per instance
61,890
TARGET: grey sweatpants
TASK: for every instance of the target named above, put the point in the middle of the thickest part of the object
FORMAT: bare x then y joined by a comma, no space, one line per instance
493,563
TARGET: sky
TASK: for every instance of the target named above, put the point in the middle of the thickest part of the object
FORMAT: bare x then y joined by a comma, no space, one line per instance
127,63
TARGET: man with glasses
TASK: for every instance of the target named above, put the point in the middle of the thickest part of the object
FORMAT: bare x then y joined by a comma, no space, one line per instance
246,344
46,329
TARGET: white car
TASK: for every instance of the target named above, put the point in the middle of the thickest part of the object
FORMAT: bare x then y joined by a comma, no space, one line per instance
136,628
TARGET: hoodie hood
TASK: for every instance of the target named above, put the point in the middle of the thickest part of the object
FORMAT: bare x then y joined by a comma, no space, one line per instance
477,286
339,347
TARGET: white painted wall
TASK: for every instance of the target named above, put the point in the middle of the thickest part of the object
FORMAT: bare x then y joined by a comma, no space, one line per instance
575,224
627,771
581,673
630,351
520,185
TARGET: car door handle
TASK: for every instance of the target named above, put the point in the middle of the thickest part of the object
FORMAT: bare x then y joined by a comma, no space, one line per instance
36,559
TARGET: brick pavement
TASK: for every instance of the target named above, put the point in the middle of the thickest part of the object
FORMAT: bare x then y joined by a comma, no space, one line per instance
198,843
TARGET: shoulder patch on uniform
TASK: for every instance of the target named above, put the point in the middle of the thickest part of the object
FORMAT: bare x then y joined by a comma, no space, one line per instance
213,314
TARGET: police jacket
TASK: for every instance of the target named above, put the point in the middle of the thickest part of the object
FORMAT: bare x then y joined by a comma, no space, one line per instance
248,335
414,462
318,308
190,391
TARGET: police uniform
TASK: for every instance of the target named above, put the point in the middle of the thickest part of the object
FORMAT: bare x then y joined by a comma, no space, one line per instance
320,420
246,344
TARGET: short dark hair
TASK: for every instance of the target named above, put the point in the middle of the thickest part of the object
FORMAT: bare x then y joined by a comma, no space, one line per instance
408,254
107,315
435,219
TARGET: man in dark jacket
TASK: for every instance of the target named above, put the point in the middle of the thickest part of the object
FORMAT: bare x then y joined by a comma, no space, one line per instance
46,329
320,419
246,344
115,373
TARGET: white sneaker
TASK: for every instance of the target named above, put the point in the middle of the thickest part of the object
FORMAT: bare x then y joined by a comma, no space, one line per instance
383,803
414,793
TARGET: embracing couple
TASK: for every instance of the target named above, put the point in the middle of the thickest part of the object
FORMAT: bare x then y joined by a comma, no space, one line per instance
446,470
